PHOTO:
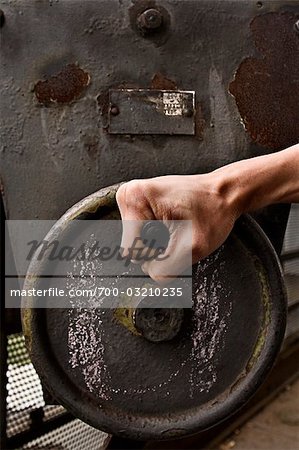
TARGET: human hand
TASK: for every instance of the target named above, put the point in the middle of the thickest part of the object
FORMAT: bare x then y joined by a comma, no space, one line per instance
205,200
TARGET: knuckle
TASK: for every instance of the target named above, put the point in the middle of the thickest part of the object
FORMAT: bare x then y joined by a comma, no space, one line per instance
129,192
160,280
156,276
133,195
121,194
144,268
135,188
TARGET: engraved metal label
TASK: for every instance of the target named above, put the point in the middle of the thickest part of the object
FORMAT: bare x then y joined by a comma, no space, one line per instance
175,103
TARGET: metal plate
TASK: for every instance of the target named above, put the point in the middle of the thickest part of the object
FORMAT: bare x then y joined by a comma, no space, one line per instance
126,385
147,111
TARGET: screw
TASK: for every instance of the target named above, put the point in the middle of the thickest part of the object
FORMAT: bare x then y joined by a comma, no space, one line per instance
188,112
114,110
150,20
297,26
2,18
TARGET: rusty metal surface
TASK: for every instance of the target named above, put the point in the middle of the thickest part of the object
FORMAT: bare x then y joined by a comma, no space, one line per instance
266,88
64,87
150,111
120,382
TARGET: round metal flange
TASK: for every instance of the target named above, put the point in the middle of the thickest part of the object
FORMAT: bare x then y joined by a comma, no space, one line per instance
221,350
157,324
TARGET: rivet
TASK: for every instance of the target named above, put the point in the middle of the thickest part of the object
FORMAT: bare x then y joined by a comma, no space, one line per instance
188,112
297,26
114,110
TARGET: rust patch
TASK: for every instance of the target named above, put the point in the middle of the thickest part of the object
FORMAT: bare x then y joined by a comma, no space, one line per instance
266,89
64,87
160,82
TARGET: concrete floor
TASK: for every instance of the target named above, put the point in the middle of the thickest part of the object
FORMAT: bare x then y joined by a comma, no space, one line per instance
276,427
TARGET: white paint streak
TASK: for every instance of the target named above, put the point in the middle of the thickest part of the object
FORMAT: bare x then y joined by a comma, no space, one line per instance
209,327
44,121
220,113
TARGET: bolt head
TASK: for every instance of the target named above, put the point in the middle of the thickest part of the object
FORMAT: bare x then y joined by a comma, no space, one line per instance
114,110
188,112
150,20
297,26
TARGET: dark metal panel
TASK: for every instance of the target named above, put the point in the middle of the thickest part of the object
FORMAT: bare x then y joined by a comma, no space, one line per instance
148,111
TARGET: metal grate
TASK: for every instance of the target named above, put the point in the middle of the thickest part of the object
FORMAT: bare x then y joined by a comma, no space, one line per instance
291,267
290,256
51,411
75,435
291,239
25,396
24,391
291,273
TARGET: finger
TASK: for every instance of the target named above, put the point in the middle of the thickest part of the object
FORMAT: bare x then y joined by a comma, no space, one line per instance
144,254
144,268
131,243
177,257
134,246
134,212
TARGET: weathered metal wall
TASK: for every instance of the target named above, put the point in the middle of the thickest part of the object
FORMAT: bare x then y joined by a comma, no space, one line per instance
59,59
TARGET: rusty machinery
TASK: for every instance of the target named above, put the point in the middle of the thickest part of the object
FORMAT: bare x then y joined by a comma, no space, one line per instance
98,92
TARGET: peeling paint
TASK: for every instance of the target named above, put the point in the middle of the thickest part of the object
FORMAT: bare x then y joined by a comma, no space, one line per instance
64,87
200,122
160,81
266,302
266,89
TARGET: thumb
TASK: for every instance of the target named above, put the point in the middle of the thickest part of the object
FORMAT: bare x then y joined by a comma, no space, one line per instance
177,256
134,213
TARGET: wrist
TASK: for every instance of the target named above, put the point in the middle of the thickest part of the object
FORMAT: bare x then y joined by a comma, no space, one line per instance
257,182
224,187
228,186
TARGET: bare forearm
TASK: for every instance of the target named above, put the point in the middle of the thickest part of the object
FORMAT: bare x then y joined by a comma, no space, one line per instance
254,183
212,201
